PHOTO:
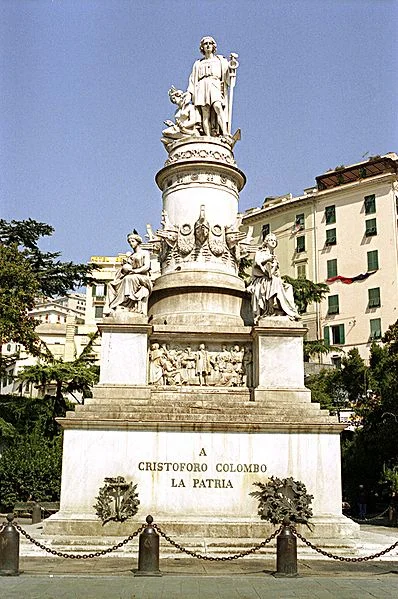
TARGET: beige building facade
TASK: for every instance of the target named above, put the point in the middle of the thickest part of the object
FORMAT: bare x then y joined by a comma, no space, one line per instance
342,232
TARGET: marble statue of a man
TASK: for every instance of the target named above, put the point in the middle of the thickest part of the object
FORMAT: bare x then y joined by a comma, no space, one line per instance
208,86
132,285
271,296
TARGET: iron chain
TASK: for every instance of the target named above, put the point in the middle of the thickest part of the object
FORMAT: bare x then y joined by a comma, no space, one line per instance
83,555
211,558
364,520
341,558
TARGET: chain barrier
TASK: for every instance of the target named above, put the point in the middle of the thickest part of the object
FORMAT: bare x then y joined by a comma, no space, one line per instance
364,520
81,555
211,558
342,558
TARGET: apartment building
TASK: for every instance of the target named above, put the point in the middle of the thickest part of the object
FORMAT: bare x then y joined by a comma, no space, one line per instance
343,231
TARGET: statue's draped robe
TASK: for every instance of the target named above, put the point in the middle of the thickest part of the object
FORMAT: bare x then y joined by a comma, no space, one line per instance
266,286
129,288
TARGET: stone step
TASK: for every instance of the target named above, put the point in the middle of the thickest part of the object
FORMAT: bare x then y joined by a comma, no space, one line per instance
202,417
198,409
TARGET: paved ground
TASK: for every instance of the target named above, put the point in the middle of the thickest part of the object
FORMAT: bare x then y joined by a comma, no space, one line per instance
250,579
186,578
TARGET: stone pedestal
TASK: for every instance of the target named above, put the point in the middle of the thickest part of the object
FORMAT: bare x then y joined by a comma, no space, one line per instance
124,349
278,354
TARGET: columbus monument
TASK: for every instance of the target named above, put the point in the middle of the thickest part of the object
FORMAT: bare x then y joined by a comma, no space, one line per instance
201,389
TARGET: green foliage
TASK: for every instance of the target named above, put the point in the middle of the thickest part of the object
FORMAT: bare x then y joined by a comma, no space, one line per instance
53,277
305,292
26,273
318,347
18,288
390,476
30,467
328,390
374,448
68,377
31,449
20,414
283,499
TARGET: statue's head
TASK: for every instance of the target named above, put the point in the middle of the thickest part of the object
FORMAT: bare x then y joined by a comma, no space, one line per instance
270,240
134,239
205,40
175,95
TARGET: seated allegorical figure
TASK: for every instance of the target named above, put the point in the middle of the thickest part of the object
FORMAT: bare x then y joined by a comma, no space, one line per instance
271,296
187,118
132,285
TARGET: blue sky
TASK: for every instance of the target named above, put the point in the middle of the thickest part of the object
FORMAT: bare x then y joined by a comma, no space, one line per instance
84,96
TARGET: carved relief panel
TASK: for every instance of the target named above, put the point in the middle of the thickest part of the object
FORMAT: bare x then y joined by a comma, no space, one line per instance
202,365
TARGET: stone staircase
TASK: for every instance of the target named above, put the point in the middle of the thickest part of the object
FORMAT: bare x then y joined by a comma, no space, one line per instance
207,406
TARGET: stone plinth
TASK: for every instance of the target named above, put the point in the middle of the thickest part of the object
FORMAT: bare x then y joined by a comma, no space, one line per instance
278,354
124,349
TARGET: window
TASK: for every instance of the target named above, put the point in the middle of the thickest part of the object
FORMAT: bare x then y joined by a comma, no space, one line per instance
299,222
374,297
333,304
330,215
99,290
334,335
301,271
265,229
375,328
300,244
373,260
370,204
336,361
331,268
99,311
371,228
330,237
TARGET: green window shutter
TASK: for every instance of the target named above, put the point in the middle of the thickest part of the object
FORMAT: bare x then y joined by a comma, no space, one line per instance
373,260
375,328
374,297
341,334
370,204
330,215
333,304
300,244
331,268
301,271
330,237
326,335
370,227
299,221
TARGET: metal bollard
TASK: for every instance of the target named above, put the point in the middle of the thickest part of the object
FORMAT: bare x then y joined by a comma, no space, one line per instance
36,513
286,552
9,549
148,553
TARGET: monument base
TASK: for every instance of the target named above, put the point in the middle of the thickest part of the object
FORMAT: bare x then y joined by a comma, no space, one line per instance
197,483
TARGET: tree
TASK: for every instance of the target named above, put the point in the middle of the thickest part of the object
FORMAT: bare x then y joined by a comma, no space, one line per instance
305,292
18,288
374,447
68,377
317,347
26,273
